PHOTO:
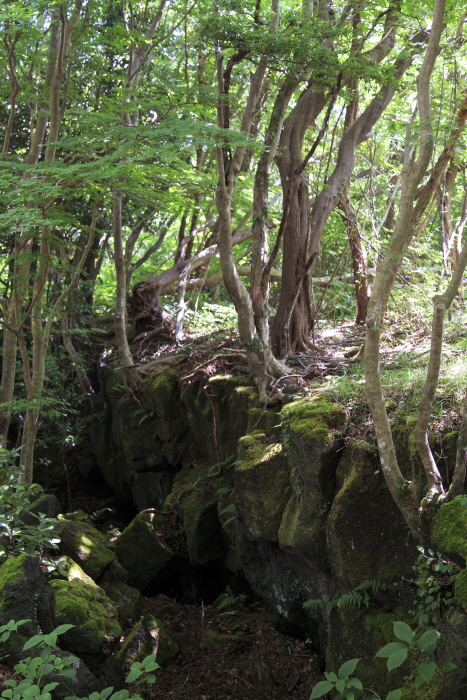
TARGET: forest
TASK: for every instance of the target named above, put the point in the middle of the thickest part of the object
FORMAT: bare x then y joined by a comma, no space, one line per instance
233,317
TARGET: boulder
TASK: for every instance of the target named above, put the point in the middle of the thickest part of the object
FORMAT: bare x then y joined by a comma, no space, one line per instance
149,636
87,547
141,550
25,594
261,485
47,504
84,604
126,598
201,523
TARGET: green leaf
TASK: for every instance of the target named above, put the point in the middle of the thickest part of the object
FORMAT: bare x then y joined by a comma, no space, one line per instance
397,659
427,639
354,683
445,668
33,641
133,675
427,670
331,677
150,678
61,629
403,632
50,686
394,694
347,668
340,685
321,689
390,649
68,672
106,692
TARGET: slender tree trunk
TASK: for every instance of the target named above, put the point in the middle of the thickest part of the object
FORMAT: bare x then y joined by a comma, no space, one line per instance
124,353
402,490
359,259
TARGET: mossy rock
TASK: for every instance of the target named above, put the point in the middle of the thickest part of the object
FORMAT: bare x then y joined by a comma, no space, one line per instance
303,534
187,481
452,648
206,545
126,598
231,398
312,440
69,570
141,551
47,504
261,486
149,636
434,690
366,534
358,633
87,547
211,638
450,534
86,606
25,594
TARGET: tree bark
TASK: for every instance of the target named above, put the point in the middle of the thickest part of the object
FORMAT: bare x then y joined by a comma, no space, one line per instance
402,490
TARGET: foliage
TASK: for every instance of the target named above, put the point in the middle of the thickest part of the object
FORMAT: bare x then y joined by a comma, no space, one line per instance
36,670
419,643
228,599
435,579
15,498
356,598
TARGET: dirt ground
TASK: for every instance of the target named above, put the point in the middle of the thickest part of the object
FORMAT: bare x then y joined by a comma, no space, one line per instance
257,663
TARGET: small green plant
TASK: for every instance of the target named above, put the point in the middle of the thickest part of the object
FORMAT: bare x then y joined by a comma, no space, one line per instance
341,682
35,671
15,498
435,576
356,598
228,599
419,643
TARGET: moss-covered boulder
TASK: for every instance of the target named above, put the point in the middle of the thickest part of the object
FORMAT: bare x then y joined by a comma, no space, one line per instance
450,534
303,534
87,547
149,636
367,536
25,594
219,411
206,545
85,605
312,438
126,598
452,648
261,485
141,550
47,504
359,633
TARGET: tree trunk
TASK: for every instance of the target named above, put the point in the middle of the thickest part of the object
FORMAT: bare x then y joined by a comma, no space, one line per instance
402,490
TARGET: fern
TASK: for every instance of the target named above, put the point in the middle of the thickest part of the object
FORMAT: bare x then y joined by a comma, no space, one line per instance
353,599
372,583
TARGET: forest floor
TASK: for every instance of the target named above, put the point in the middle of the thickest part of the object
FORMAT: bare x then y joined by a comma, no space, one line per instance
230,654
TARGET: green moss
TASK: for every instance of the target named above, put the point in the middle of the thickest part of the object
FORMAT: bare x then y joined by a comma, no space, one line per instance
427,691
315,419
212,638
450,533
260,454
86,606
11,570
